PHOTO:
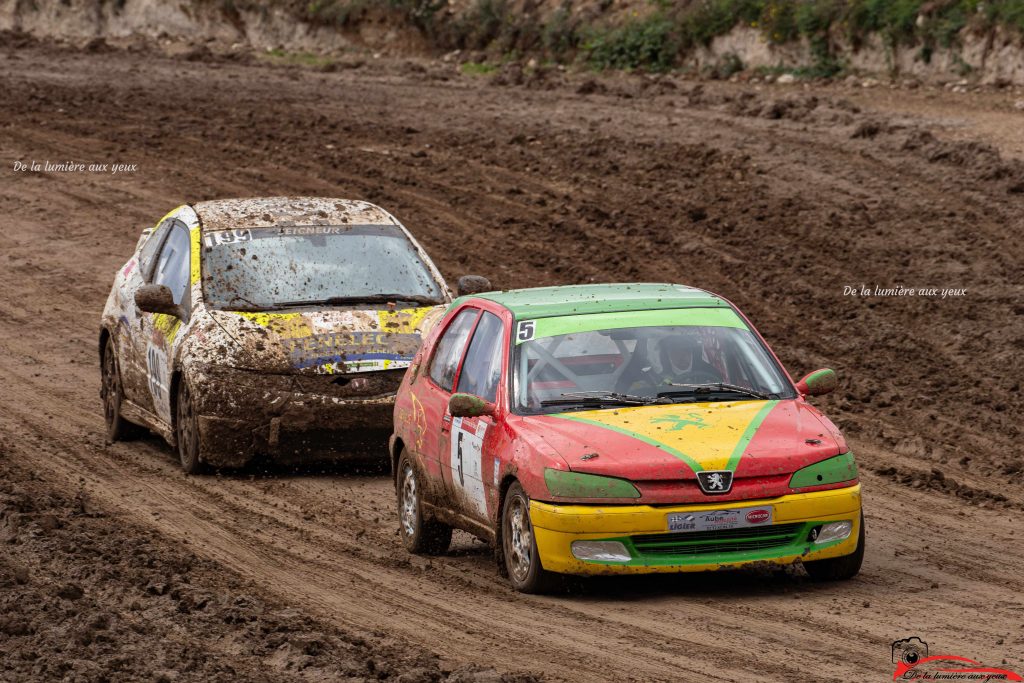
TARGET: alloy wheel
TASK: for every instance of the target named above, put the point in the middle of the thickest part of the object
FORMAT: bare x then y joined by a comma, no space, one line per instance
519,539
410,504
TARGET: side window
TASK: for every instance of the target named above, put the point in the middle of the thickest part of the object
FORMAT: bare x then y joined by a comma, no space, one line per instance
173,266
482,368
449,349
152,245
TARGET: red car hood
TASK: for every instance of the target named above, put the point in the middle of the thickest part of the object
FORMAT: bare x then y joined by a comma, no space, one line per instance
663,442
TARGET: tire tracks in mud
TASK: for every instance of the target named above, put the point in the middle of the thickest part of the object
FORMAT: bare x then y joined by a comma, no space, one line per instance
226,519
325,542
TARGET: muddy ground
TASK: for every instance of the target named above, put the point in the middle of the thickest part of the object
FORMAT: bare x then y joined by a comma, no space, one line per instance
115,564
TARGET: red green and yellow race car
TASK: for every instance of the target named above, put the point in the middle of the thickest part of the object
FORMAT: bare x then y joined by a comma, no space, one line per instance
626,428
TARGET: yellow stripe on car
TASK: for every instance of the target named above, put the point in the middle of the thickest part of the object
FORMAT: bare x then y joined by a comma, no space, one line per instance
722,430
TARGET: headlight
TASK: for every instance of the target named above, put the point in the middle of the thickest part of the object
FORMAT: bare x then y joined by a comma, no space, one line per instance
565,484
833,531
831,471
600,551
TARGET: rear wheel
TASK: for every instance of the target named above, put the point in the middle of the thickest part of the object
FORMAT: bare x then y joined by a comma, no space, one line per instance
420,535
519,548
118,428
839,568
187,432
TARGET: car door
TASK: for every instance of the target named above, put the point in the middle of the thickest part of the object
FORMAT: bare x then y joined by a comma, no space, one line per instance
133,343
470,475
172,268
433,394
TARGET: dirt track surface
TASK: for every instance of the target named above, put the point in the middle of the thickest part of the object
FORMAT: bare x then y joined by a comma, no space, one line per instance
777,199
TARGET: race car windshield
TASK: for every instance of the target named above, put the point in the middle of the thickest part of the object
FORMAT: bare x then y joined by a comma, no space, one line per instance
273,268
588,362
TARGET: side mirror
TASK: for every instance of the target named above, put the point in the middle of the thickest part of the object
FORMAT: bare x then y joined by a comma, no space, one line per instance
817,383
472,284
157,299
468,405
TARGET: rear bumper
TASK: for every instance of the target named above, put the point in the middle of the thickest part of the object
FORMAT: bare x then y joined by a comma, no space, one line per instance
557,526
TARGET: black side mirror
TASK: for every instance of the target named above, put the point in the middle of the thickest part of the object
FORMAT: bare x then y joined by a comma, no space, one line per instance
472,284
157,299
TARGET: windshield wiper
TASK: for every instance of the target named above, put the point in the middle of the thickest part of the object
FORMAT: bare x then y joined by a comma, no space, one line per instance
364,299
599,398
712,388
252,305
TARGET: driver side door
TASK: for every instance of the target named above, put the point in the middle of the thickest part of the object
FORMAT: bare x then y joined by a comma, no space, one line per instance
172,268
471,475
431,396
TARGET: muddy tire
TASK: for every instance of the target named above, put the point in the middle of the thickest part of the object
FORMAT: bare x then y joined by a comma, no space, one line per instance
519,547
839,568
112,394
186,431
420,535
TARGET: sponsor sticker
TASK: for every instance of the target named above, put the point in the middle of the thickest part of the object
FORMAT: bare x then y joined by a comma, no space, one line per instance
718,520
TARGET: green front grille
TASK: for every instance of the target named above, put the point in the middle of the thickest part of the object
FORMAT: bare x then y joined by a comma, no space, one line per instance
741,540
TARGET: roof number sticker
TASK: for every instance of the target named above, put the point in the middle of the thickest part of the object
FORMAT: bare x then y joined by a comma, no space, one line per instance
214,239
525,331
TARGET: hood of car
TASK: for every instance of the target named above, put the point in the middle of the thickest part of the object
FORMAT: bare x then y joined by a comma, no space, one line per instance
675,441
325,341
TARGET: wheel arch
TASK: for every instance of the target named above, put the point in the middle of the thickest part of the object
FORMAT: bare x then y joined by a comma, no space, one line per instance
105,336
397,446
175,388
503,487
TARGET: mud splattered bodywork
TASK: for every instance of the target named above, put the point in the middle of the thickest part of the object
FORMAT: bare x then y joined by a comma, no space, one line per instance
297,319
650,428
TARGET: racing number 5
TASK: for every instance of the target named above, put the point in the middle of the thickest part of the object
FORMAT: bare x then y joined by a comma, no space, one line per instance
525,331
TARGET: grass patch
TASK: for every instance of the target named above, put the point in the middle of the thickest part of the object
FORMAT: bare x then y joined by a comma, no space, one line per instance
477,68
277,56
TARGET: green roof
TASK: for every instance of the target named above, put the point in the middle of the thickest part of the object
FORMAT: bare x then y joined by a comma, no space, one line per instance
545,302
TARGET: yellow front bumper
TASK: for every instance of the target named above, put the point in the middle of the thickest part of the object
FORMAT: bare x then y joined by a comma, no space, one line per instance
557,526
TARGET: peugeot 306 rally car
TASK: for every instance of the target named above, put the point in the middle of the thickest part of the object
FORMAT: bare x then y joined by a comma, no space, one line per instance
279,326
619,428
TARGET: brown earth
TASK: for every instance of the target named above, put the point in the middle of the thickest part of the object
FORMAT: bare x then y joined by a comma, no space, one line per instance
777,198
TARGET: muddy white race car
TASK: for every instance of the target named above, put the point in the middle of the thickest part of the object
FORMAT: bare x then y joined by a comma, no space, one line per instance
278,327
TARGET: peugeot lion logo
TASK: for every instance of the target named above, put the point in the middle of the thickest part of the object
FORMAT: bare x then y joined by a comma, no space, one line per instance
715,482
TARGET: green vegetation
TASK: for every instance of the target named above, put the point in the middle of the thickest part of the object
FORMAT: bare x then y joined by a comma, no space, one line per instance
649,43
277,56
662,33
659,40
417,13
477,68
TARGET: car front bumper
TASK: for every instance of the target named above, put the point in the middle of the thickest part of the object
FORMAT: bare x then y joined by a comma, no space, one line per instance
280,418
640,527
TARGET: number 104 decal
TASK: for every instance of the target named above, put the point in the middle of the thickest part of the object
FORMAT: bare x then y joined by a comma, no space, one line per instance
156,365
467,462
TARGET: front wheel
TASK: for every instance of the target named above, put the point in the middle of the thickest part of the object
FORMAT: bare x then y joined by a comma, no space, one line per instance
420,535
519,548
112,393
187,431
839,568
